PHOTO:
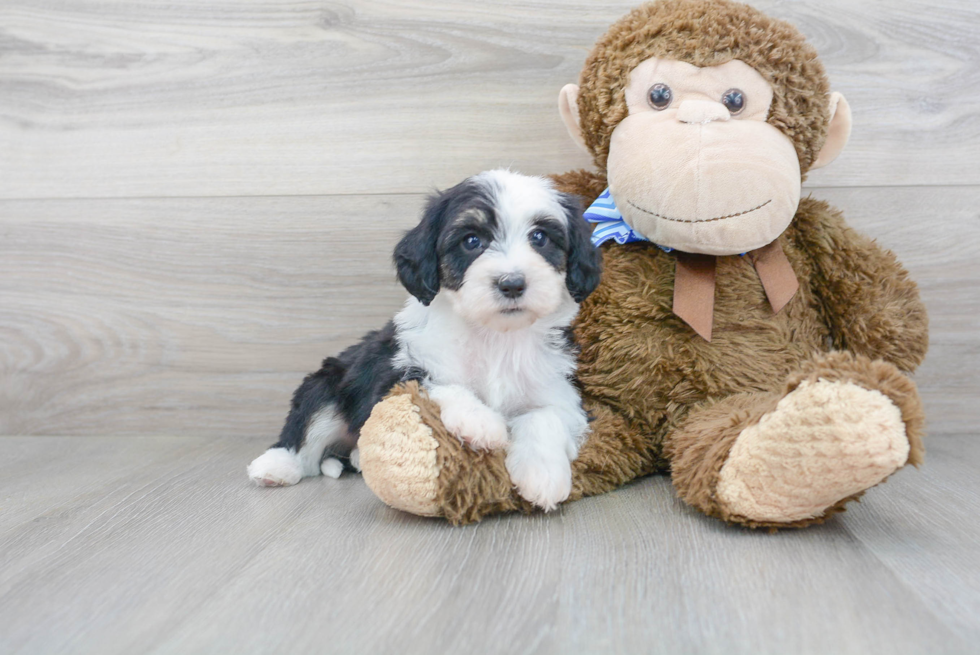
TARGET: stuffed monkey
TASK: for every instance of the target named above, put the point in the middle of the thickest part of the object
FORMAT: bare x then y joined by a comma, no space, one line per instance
743,339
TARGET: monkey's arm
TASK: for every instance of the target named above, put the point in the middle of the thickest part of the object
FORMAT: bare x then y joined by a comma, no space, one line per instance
869,300
413,463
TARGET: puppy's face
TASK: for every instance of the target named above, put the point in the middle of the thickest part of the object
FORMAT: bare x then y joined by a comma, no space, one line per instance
506,249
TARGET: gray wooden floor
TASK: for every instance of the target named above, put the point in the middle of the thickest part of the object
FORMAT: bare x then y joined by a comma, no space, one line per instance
198,201
156,544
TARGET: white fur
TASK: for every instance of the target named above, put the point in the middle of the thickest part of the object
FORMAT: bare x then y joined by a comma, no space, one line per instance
519,199
279,467
276,467
332,467
324,427
539,460
487,368
469,418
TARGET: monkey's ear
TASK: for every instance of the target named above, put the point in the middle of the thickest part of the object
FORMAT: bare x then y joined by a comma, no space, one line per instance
568,108
584,268
416,258
838,133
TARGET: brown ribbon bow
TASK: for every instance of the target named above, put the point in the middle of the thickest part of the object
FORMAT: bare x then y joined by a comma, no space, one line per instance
694,284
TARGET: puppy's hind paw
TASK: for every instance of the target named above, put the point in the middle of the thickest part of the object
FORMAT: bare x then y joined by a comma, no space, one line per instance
276,467
332,467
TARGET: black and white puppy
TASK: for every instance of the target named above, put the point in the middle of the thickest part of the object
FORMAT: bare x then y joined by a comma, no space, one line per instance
496,269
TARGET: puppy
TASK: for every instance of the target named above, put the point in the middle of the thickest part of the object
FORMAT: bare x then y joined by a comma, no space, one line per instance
496,269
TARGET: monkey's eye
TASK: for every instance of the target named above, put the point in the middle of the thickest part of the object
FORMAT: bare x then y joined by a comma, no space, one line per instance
734,101
471,242
660,96
539,238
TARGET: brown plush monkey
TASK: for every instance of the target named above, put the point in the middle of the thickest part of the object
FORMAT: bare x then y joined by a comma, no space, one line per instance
746,340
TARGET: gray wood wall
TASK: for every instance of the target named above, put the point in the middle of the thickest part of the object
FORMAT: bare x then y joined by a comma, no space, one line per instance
198,200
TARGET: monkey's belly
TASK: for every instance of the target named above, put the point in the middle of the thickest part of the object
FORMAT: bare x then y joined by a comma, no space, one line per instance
640,358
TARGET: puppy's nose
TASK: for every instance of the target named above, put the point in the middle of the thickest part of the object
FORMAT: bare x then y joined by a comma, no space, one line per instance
511,286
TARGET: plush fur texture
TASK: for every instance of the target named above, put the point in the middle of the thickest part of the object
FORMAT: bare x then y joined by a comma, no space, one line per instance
701,448
407,452
664,399
427,470
707,33
823,442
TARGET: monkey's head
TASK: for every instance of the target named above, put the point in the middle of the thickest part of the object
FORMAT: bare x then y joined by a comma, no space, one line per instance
705,115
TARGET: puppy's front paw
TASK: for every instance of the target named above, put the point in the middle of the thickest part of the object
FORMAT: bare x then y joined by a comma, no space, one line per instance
544,479
476,425
276,467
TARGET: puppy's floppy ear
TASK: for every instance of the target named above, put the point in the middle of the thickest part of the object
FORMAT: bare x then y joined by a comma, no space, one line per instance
584,260
416,259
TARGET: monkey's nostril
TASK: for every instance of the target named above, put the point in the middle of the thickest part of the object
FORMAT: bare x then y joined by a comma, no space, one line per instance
511,286
702,112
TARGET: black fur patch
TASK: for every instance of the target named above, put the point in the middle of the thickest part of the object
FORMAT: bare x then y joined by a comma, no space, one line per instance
554,250
435,246
475,220
584,260
353,382
568,339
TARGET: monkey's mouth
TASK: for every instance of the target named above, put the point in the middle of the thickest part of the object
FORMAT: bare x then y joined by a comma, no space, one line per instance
703,220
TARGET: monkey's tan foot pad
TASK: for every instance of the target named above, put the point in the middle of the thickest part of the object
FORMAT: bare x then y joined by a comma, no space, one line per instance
398,457
413,463
826,441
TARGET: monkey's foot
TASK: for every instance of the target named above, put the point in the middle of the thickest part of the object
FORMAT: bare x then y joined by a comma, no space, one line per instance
413,463
398,457
823,443
790,458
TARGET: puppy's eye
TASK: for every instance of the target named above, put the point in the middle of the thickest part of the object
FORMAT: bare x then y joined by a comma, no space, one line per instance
734,101
660,96
471,242
539,238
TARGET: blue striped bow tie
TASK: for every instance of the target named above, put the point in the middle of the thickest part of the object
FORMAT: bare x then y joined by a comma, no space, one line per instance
610,224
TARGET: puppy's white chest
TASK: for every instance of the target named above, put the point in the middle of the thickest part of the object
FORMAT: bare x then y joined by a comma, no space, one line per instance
509,372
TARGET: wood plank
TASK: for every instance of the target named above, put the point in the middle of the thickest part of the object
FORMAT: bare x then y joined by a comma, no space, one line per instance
936,235
644,572
76,475
114,572
180,554
934,549
200,316
126,99
385,582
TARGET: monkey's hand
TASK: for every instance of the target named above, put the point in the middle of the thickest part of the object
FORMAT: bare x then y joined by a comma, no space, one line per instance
870,302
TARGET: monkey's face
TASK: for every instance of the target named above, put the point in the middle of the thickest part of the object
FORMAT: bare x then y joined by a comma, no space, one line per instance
695,166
